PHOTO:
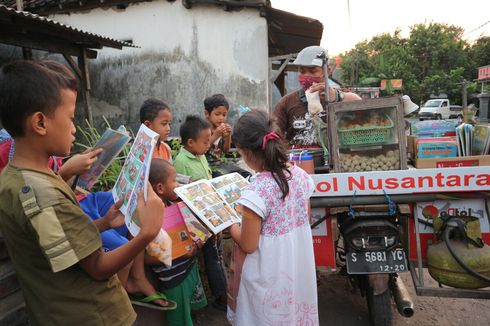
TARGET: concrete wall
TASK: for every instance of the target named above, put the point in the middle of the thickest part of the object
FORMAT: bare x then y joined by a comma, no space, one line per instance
185,55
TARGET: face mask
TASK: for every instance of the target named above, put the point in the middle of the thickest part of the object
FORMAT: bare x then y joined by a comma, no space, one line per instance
307,81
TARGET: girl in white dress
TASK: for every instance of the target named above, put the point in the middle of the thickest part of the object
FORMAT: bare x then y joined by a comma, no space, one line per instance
278,282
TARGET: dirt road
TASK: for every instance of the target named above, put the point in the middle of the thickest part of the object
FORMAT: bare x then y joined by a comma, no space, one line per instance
339,304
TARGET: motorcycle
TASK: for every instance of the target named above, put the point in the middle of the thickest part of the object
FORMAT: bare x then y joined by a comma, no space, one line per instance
374,255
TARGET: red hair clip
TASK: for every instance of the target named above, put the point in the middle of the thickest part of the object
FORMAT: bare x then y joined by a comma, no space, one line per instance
267,137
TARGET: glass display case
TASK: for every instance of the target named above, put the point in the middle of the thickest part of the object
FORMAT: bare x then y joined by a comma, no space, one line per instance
367,135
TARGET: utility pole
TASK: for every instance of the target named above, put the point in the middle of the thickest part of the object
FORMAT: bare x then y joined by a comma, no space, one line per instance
465,97
20,5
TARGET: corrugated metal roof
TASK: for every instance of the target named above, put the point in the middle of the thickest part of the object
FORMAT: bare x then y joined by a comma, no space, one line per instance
60,6
35,3
290,33
66,33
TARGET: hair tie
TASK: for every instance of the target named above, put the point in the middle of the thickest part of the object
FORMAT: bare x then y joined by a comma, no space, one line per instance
267,137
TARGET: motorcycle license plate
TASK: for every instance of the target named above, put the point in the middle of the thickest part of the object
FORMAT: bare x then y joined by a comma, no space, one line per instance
371,262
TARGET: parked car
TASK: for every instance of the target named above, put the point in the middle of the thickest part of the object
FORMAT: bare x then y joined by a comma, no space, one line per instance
435,109
455,111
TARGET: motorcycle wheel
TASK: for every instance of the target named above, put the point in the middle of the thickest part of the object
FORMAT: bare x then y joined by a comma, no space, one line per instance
379,307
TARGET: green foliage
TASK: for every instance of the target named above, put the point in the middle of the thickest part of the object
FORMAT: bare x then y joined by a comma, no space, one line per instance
175,145
433,59
479,53
89,137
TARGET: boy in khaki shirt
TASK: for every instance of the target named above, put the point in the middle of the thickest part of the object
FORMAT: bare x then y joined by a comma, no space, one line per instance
55,248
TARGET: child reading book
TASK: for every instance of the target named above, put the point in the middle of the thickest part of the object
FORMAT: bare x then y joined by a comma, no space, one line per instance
181,282
156,115
278,273
132,277
55,248
74,165
196,133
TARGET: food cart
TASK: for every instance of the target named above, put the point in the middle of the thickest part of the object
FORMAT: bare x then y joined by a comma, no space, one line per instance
369,168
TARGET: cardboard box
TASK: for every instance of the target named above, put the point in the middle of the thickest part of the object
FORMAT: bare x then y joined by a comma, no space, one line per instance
443,162
437,147
451,162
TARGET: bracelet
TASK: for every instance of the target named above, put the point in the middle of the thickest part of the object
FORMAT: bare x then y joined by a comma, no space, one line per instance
339,96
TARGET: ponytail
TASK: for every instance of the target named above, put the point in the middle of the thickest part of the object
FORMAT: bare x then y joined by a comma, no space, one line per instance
253,131
275,161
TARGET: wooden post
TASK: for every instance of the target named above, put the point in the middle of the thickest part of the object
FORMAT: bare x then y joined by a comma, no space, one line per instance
73,66
20,5
271,86
83,65
281,83
26,52
278,77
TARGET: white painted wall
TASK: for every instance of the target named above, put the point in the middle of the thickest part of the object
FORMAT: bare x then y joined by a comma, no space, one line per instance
184,56
233,42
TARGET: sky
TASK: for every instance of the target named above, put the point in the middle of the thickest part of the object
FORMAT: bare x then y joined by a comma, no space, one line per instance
372,17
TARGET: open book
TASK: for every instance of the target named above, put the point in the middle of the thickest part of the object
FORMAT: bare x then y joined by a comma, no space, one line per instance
213,201
112,142
198,231
134,176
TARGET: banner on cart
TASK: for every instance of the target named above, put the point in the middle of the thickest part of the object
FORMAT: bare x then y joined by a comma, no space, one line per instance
323,240
426,212
402,181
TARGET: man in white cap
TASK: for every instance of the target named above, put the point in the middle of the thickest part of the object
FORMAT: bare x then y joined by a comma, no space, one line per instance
291,112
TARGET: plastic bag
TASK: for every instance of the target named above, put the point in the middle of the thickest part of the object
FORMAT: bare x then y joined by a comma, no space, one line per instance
314,104
161,248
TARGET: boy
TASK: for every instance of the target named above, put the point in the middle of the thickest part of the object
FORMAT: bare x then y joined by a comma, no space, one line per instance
132,277
195,133
56,251
156,115
216,111
181,282
73,166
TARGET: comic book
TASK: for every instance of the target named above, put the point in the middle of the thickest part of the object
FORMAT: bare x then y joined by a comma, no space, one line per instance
213,201
176,228
198,231
134,176
112,142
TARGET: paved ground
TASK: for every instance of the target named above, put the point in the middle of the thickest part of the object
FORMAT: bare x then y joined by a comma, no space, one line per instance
341,305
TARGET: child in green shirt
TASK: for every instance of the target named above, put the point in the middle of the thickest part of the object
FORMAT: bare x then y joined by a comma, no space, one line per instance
195,133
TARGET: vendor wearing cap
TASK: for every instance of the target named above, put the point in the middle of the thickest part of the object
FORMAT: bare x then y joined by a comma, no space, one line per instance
291,112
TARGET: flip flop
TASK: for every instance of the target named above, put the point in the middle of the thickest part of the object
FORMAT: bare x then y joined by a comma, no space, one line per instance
147,301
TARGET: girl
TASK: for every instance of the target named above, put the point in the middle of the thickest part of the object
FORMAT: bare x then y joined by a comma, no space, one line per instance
278,282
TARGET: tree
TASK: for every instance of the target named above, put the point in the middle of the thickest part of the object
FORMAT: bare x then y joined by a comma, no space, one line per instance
479,54
438,48
433,59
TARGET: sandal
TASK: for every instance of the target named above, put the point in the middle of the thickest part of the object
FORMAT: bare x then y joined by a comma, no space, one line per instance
148,301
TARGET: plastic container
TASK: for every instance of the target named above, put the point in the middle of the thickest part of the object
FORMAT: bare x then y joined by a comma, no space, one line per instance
304,161
366,135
